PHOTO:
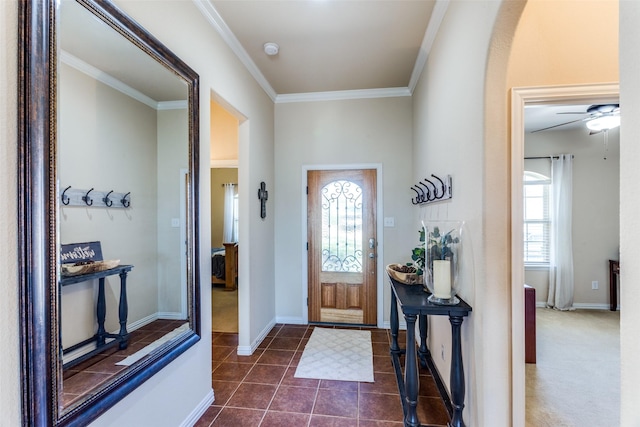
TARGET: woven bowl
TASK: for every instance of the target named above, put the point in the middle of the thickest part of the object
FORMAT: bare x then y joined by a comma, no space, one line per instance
402,277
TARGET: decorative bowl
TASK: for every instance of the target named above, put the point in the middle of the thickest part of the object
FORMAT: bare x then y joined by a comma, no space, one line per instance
404,274
76,269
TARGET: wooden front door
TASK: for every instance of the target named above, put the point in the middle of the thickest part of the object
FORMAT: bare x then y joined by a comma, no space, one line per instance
342,243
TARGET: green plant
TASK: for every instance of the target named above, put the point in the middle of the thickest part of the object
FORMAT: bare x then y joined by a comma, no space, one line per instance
418,255
440,244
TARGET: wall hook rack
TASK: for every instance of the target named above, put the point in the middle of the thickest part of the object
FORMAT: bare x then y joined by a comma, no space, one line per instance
432,191
94,198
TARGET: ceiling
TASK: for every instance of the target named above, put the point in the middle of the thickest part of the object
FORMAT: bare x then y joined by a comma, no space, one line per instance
330,46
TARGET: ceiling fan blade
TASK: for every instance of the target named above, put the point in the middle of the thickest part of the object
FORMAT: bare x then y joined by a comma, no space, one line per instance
594,132
555,126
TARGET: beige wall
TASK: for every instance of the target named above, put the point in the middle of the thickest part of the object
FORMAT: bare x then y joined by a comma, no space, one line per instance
316,134
219,176
596,209
224,135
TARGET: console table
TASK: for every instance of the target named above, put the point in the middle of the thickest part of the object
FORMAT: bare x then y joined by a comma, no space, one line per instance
122,337
414,305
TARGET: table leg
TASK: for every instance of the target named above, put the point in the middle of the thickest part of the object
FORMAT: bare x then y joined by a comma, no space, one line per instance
457,372
393,321
411,374
101,313
423,351
613,287
123,311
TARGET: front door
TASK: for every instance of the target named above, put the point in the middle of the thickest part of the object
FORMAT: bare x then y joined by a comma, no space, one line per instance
342,243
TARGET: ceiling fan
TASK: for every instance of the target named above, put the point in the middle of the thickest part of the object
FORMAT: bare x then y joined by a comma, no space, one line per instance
600,118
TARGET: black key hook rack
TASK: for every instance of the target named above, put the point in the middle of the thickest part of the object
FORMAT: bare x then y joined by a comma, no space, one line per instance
434,190
94,198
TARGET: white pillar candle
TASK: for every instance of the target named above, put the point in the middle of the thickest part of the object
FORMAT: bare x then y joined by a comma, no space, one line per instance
442,279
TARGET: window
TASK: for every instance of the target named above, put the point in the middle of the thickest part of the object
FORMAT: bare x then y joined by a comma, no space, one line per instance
536,219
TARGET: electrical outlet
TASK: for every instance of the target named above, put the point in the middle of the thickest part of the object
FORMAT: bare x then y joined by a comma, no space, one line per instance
442,351
594,284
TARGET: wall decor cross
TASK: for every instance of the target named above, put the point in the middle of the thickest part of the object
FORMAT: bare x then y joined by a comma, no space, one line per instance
263,195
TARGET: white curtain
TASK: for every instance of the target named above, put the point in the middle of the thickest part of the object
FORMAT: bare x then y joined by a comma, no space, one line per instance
561,245
230,224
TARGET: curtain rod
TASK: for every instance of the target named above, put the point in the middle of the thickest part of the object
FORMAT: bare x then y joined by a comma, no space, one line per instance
544,157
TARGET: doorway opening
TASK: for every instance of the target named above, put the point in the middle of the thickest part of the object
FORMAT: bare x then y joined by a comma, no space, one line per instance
521,98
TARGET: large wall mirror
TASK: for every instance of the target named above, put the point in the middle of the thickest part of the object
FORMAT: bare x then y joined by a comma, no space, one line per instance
108,208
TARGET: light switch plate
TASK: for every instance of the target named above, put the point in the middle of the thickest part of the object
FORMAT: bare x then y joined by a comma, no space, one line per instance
389,221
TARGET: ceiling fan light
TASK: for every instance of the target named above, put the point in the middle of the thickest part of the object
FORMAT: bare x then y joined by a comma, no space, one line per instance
603,123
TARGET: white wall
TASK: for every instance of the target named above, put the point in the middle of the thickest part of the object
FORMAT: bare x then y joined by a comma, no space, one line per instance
448,139
629,207
596,209
94,153
367,131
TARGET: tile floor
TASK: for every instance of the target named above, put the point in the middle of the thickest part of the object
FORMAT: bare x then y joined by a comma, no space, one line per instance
261,390
85,378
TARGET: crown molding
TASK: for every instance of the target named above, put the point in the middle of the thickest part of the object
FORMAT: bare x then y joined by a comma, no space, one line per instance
214,18
118,85
342,95
439,10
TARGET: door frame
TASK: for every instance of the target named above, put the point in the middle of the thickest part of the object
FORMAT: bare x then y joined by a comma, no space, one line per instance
520,97
379,231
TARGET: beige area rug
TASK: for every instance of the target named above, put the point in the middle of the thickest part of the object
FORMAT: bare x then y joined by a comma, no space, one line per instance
224,310
576,380
337,354
157,343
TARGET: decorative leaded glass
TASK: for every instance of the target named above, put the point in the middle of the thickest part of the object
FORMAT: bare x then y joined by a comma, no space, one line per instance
342,227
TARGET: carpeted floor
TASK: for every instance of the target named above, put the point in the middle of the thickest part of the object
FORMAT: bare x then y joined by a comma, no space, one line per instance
224,310
576,380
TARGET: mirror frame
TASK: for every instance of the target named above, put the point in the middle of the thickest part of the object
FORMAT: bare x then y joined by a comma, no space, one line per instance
38,254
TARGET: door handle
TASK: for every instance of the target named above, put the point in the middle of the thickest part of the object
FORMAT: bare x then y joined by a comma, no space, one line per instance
372,243
372,255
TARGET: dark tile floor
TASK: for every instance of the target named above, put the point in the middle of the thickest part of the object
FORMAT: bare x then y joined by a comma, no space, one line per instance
261,390
85,378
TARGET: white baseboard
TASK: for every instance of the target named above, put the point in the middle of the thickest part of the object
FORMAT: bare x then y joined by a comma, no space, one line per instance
199,410
171,315
244,350
290,320
402,327
581,306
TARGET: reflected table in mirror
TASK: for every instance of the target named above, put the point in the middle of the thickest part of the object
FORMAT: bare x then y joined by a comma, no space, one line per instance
415,306
100,338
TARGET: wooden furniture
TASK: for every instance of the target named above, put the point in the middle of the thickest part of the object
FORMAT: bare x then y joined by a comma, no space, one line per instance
614,271
122,337
529,324
230,280
415,306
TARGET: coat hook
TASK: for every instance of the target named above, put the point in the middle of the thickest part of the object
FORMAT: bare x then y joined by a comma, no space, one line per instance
88,200
430,195
418,199
442,184
435,190
126,202
65,198
107,201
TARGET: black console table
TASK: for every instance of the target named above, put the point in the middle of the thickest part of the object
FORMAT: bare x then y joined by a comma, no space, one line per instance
122,337
414,305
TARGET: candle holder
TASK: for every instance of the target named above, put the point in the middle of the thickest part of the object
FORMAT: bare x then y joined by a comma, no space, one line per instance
443,246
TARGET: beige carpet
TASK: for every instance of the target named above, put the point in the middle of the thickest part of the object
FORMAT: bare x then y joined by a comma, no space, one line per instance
337,354
224,310
576,381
